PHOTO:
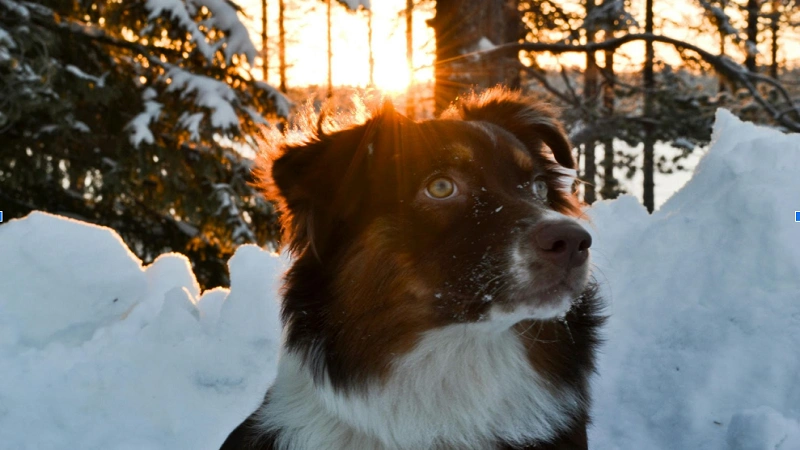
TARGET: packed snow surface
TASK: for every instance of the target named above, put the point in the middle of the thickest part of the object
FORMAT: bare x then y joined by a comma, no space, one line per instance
98,352
701,352
703,340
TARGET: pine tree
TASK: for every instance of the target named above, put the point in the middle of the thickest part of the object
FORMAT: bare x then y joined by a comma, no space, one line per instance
330,48
753,12
264,42
612,17
350,5
715,12
409,57
371,60
590,93
649,140
136,115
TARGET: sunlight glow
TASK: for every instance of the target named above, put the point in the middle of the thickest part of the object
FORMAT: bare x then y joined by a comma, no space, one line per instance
393,77
306,48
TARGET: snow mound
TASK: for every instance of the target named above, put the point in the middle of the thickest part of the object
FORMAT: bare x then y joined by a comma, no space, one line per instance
98,352
763,429
704,299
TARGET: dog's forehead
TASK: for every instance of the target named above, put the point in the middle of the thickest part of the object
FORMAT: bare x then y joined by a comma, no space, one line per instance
466,141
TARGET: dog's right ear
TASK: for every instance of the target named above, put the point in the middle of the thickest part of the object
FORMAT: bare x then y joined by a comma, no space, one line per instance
319,183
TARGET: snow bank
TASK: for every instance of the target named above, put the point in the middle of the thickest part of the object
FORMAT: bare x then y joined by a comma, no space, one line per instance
703,343
763,429
98,352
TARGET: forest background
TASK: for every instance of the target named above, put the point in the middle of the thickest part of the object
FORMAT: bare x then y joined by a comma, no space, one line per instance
142,115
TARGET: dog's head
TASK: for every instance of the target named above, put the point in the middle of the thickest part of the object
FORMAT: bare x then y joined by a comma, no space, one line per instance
399,227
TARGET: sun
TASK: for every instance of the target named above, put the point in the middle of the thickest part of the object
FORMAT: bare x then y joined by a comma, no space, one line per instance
393,77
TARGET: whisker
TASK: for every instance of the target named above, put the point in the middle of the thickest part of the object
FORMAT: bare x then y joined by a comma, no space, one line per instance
535,339
521,333
569,332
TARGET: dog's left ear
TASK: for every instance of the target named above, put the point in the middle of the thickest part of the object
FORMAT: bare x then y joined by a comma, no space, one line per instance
531,122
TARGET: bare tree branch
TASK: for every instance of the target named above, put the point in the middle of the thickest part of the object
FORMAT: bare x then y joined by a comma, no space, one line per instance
721,64
542,79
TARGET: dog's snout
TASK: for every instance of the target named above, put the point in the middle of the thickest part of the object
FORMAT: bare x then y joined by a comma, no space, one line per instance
562,242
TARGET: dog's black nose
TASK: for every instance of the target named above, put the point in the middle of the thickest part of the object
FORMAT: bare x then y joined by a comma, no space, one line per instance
562,242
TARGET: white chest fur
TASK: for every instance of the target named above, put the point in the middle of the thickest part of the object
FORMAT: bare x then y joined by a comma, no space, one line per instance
461,387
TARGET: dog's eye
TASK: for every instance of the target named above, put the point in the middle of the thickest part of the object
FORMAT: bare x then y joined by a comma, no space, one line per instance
539,188
440,188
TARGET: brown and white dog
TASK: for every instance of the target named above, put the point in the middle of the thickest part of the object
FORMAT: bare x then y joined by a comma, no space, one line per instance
440,296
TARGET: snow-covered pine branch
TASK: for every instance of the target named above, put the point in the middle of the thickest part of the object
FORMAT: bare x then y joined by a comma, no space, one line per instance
219,35
127,114
721,20
223,15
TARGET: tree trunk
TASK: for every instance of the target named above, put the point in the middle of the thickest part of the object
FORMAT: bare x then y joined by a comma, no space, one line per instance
282,44
752,34
648,167
774,28
410,57
264,54
590,89
462,27
723,86
610,184
330,53
371,54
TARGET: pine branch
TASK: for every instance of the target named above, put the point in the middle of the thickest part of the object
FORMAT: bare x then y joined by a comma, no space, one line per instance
147,51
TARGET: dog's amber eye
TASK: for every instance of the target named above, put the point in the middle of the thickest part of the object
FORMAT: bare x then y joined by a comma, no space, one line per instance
440,188
539,188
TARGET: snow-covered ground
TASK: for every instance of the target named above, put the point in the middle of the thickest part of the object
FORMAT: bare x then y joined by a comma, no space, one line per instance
98,352
703,347
702,351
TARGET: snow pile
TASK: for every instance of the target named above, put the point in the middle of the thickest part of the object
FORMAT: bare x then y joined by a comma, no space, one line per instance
98,352
763,429
702,343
